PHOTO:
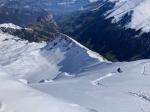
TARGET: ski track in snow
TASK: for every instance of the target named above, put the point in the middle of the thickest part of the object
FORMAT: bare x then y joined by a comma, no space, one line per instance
98,81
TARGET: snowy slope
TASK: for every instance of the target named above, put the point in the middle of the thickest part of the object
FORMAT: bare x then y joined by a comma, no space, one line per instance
22,63
139,10
17,97
9,25
68,71
38,62
104,89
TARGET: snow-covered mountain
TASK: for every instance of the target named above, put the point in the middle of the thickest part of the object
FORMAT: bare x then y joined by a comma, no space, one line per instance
41,66
136,10
117,29
63,73
23,62
139,10
60,57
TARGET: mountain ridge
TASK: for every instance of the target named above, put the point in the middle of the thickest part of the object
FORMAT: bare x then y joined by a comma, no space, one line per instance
110,35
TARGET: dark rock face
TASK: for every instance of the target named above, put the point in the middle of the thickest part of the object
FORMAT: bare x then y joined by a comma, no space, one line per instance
42,30
112,40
